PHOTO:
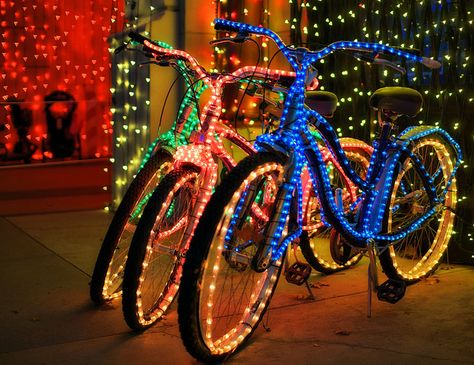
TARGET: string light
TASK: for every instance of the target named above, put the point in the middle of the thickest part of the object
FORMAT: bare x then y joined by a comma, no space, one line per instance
205,143
429,26
60,45
293,123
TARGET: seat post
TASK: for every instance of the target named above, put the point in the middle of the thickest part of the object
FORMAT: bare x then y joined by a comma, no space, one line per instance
386,119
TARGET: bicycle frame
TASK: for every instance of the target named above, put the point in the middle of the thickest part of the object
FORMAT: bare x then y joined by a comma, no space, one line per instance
206,141
294,140
188,121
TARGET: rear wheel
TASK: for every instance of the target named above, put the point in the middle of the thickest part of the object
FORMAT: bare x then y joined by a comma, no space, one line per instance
106,282
322,247
223,298
419,253
156,256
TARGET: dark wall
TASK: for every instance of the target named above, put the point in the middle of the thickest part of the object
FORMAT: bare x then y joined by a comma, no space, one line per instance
443,30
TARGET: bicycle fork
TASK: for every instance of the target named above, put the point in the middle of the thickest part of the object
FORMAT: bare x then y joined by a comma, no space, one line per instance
207,180
372,277
271,248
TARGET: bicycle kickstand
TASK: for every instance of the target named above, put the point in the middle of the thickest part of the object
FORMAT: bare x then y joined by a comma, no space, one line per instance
372,278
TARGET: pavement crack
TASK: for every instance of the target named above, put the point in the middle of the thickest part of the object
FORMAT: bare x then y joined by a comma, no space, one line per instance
47,248
359,346
127,335
305,302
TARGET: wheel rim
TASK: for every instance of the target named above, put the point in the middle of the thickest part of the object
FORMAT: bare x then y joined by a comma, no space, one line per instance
318,234
164,257
417,254
113,279
233,296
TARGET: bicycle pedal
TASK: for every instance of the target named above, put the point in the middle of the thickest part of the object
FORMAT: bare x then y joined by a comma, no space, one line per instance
298,273
391,291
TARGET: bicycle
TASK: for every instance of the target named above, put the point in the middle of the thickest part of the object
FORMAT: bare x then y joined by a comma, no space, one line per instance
106,281
159,244
321,246
230,274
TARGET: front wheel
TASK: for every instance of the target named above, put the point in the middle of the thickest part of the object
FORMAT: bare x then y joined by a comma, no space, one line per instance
223,297
156,255
106,282
419,253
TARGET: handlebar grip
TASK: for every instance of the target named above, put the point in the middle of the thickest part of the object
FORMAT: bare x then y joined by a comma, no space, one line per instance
138,37
430,63
384,62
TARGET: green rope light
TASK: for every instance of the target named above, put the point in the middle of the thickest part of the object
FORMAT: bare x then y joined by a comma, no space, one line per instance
169,138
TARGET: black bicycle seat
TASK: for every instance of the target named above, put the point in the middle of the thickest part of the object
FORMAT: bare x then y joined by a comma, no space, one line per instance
323,102
400,100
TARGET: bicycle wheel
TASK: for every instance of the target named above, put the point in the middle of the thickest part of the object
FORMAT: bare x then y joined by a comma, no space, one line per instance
156,255
322,247
106,282
222,298
419,253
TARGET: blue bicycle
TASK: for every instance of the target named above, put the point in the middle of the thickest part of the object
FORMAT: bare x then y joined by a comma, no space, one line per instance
404,213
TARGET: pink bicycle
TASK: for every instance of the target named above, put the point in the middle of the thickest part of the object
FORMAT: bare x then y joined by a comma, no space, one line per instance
161,239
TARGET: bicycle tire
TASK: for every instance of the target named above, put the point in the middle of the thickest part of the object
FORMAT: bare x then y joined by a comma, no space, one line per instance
318,245
204,255
153,268
114,243
420,253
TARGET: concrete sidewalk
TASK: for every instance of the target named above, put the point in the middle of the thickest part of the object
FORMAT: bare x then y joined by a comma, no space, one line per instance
46,316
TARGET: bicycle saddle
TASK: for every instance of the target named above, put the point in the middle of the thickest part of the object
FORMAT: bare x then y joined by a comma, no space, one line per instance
400,100
323,102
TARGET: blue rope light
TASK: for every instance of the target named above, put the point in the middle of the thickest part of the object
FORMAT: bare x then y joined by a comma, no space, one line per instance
294,138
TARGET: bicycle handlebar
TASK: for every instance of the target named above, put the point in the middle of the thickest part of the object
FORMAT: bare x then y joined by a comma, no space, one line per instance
158,50
431,63
138,37
222,24
384,62
285,77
